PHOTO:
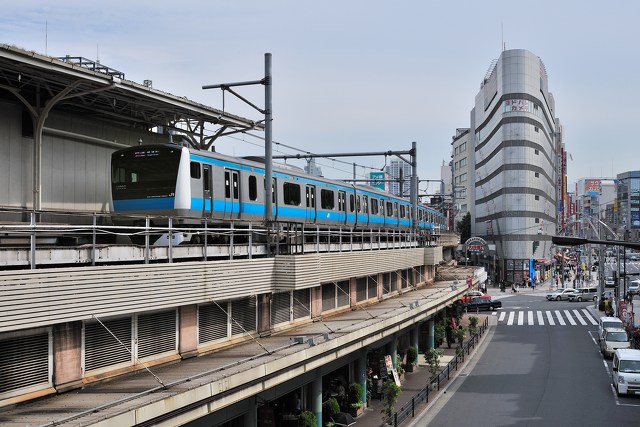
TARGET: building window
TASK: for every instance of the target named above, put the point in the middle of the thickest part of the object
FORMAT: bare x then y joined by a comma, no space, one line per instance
537,152
536,129
537,220
537,175
537,197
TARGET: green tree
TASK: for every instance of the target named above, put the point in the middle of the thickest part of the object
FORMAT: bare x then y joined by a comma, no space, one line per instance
464,227
390,393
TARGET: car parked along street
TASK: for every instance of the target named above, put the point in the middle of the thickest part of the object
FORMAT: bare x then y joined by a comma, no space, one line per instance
560,294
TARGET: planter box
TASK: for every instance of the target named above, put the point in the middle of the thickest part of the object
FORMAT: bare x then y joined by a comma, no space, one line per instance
356,412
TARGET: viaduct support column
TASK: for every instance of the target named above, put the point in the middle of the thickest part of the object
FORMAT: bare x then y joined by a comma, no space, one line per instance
430,337
315,398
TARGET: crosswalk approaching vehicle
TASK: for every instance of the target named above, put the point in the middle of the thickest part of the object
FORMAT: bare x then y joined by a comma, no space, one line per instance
573,317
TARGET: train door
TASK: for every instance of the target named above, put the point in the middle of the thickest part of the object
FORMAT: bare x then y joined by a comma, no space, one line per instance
365,210
311,213
207,194
274,199
342,206
231,194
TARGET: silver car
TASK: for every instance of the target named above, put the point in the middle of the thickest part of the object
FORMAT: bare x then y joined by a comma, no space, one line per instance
560,294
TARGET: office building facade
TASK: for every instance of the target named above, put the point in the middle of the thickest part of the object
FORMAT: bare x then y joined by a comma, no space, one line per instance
519,164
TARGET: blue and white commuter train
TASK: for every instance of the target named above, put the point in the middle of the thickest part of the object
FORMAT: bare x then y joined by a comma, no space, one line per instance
171,180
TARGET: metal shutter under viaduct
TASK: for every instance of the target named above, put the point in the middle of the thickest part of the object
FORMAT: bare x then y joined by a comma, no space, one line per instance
157,333
24,362
101,348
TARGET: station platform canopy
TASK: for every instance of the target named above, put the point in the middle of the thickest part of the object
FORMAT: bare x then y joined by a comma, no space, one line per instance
85,87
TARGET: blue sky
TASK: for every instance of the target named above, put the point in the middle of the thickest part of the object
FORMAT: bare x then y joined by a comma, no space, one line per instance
354,76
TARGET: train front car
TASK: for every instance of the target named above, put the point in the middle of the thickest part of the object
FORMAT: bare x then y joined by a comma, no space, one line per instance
150,180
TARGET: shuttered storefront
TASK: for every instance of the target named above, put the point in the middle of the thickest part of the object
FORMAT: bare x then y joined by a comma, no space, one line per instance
212,322
361,289
328,296
101,348
25,364
157,333
343,293
386,283
405,279
243,312
301,304
280,308
372,287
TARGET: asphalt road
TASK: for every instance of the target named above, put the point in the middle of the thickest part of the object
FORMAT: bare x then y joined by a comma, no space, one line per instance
536,373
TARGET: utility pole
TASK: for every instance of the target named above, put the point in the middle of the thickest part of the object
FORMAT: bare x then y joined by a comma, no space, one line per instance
268,130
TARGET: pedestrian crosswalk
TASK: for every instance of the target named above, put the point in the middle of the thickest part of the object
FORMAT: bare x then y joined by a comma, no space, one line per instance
573,317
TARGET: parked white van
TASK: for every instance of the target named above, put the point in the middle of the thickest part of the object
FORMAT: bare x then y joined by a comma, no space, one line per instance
613,339
608,322
626,371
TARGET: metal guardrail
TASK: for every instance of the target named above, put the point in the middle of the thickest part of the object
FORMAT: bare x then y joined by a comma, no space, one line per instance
409,410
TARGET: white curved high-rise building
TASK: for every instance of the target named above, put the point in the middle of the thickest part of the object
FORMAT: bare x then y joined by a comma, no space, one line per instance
519,163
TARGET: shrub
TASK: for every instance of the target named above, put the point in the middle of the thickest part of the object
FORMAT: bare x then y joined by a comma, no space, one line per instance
412,356
390,393
432,356
356,393
331,406
308,419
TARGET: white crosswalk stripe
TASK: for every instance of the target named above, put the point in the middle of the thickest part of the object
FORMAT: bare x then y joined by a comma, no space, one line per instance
569,317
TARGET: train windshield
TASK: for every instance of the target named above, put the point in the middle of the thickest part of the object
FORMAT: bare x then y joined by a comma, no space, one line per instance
144,172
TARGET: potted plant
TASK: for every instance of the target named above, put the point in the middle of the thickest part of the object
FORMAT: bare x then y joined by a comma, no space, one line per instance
438,332
473,325
307,419
330,407
356,404
399,366
412,359
432,357
390,393
459,335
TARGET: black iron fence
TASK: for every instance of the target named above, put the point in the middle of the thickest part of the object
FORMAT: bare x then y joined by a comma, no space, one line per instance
433,387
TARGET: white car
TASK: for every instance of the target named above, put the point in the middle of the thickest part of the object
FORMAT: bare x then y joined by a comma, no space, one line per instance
634,287
613,339
560,294
626,371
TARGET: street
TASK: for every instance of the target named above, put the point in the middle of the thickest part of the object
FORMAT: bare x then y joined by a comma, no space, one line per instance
542,367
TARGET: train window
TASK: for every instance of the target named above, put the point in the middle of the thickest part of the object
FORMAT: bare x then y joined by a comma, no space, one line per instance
291,194
273,191
326,199
227,184
236,187
389,209
365,204
253,188
374,206
403,211
352,202
195,170
395,209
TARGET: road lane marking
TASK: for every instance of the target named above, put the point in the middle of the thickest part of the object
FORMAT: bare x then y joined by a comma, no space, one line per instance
502,315
540,318
559,317
569,317
550,318
588,316
511,315
530,318
520,318
579,317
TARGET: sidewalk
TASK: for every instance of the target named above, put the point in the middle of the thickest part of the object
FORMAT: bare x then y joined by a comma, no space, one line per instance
417,380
